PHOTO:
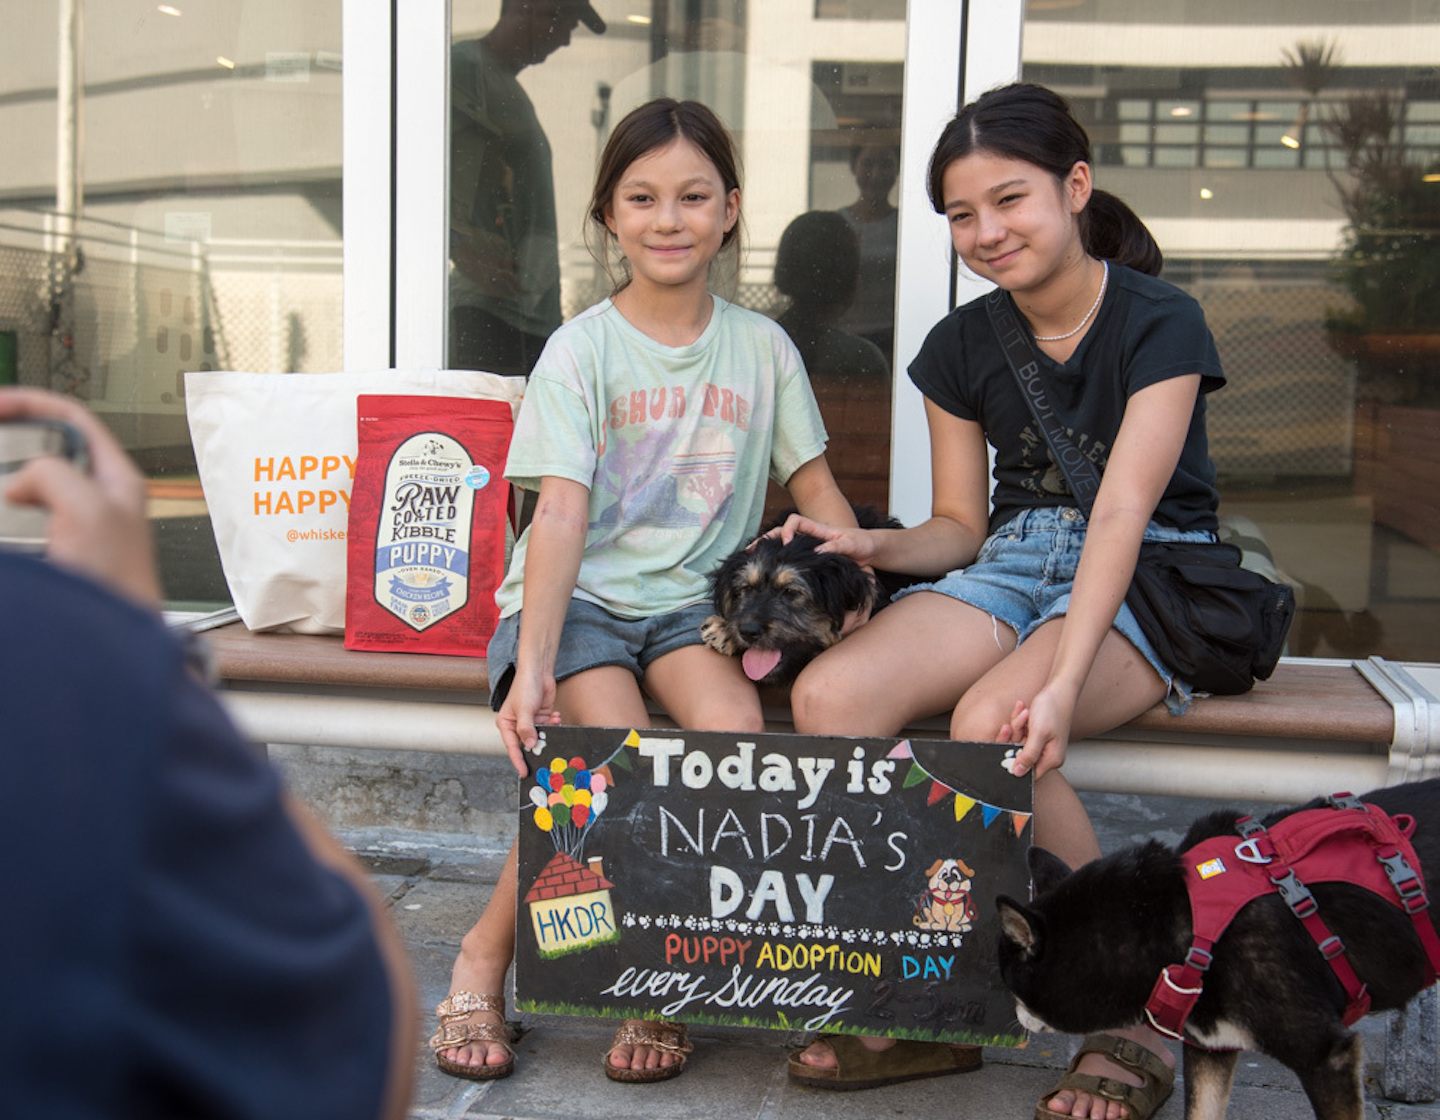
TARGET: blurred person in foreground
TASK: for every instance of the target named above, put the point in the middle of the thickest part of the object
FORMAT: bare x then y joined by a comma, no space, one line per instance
182,939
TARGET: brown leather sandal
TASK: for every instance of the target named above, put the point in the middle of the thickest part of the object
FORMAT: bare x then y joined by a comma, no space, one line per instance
1141,1101
452,1012
658,1034
858,1067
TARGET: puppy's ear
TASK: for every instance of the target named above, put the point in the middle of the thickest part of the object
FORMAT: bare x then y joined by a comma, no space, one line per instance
1047,870
934,867
1018,926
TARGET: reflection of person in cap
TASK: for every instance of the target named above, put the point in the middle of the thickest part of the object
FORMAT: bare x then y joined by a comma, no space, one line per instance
504,254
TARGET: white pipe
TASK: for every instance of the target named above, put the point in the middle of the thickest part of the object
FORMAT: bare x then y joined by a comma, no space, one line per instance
68,189
331,721
1111,766
1244,774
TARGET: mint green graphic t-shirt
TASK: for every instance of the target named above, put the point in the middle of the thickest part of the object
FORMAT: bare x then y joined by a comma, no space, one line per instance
675,443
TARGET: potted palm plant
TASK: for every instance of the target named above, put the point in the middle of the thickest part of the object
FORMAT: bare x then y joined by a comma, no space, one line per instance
1389,263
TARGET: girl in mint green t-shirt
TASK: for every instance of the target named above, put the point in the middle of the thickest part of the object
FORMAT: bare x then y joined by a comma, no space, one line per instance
650,427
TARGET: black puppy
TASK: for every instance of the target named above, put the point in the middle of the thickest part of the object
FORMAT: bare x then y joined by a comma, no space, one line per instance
1085,954
779,605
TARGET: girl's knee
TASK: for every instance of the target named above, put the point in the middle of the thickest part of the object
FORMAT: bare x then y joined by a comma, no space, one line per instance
977,719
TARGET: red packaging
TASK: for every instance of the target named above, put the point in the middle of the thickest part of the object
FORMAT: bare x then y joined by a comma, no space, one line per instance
426,536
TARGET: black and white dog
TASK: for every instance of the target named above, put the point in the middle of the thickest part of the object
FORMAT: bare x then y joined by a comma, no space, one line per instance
1085,955
779,605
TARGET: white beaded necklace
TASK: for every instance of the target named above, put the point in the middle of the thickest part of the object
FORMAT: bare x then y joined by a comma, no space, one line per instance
1104,279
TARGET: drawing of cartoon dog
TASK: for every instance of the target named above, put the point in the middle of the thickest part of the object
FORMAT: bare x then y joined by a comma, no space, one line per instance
945,902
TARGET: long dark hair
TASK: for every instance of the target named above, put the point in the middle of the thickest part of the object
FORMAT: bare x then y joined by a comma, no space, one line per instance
1031,123
645,129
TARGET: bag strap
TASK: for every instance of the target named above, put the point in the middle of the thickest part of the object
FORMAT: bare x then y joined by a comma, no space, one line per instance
1079,472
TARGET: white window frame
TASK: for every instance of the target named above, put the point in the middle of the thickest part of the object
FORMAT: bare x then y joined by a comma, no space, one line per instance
368,51
953,48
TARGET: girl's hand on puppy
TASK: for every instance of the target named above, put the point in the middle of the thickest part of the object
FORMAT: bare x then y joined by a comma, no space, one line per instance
849,541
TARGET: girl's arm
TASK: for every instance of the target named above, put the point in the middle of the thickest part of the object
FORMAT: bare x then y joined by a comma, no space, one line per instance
817,496
552,565
1146,452
960,509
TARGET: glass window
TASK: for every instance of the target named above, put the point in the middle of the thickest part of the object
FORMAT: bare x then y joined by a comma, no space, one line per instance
536,90
1308,234
195,227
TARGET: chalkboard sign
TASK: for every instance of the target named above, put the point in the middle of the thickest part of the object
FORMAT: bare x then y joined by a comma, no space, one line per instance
778,881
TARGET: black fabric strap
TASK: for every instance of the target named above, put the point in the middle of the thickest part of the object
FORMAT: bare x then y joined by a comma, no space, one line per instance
1079,472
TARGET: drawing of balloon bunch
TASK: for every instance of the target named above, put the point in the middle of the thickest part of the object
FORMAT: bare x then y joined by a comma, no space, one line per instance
568,796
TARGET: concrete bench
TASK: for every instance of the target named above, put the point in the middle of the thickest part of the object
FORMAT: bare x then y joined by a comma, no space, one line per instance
1315,727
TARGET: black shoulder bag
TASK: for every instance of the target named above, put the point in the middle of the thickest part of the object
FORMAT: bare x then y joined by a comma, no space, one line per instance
1221,627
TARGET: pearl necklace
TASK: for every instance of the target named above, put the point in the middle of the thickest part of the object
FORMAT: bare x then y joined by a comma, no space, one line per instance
1104,279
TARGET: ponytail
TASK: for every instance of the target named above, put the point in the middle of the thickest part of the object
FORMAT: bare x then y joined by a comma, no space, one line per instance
1110,230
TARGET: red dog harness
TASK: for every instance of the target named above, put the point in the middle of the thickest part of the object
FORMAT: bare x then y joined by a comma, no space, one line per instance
1348,842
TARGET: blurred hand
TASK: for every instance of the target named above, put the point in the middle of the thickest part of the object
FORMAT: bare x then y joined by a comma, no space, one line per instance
98,525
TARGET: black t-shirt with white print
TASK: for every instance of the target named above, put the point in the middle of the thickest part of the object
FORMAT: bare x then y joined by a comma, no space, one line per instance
1146,331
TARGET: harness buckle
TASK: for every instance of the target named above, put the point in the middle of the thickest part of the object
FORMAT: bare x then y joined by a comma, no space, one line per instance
1296,894
1198,959
1249,850
1407,884
1346,800
1332,947
1248,826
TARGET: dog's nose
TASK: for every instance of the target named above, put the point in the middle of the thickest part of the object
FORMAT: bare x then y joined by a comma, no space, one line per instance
751,630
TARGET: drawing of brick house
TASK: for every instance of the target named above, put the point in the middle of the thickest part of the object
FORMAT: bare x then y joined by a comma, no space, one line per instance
570,907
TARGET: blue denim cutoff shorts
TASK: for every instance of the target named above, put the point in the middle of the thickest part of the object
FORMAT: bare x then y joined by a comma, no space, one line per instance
592,637
1026,569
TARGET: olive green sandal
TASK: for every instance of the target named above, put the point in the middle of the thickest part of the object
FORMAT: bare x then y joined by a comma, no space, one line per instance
454,1031
857,1067
1141,1101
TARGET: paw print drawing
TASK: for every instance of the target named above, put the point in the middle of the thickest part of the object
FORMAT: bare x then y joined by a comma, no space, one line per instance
1008,762
628,919
645,921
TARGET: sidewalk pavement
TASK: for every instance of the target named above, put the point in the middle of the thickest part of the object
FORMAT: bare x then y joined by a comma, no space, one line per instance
436,885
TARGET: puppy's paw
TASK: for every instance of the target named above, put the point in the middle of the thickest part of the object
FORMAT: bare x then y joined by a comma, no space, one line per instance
717,637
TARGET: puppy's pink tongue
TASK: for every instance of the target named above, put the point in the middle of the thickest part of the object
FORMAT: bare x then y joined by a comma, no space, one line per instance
758,662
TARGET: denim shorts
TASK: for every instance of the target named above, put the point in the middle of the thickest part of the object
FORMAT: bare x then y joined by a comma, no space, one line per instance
593,637
1025,572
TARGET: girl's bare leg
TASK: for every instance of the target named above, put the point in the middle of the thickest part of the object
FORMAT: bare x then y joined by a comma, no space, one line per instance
607,696
1121,685
914,659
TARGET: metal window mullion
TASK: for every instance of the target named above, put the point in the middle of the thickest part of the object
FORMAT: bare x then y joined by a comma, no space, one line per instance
937,81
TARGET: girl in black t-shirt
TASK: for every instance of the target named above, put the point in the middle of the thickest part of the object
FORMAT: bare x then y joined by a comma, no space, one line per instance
1028,640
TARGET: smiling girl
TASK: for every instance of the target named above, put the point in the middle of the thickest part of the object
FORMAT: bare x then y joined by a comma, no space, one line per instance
1028,640
650,426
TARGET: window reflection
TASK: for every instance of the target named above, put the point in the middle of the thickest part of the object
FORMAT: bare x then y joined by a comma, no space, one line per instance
195,227
1287,187
819,142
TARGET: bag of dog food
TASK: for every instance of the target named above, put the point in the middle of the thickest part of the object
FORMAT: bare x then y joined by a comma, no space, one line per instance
426,543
